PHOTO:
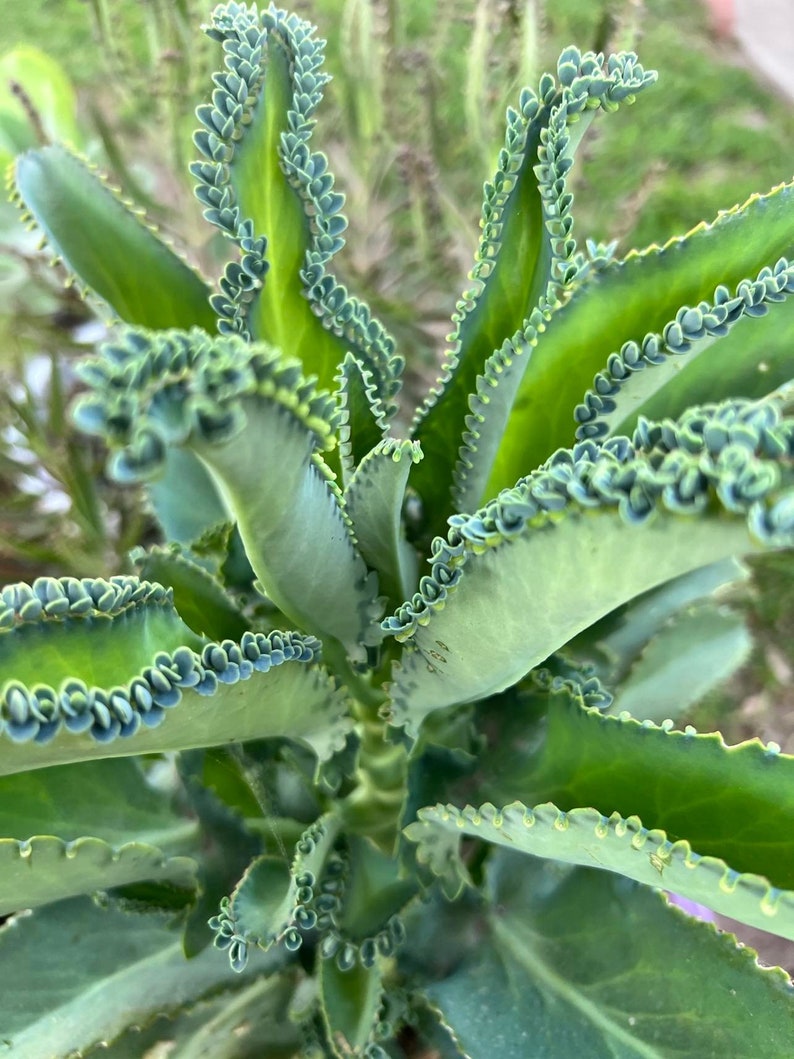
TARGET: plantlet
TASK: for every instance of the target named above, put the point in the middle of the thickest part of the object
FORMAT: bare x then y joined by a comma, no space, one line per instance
376,710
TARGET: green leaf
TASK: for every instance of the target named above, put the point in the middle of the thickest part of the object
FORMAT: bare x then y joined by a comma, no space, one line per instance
124,261
109,800
74,975
107,669
275,898
507,589
730,802
51,94
250,1024
350,1002
525,257
256,423
185,475
199,597
624,301
574,963
266,190
362,421
43,869
374,500
699,649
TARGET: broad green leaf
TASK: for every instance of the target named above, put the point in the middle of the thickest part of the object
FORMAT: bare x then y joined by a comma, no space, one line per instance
362,422
639,371
43,869
107,669
374,501
74,975
252,1023
615,642
256,423
754,359
293,700
524,260
621,845
291,522
736,803
574,962
698,650
51,94
266,190
184,475
517,603
124,261
507,590
350,1001
199,597
623,302
109,800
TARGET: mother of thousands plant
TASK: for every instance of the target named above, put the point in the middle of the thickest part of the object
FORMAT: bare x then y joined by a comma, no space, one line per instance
383,711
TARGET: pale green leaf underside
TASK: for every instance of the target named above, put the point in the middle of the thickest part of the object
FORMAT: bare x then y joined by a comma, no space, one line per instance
698,650
121,260
293,701
44,869
291,523
578,962
74,975
615,642
519,602
585,836
374,501
623,302
185,476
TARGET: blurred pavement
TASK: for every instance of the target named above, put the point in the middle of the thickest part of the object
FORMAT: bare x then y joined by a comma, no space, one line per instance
764,30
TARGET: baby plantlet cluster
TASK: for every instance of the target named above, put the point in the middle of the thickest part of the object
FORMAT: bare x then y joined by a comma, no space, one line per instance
361,759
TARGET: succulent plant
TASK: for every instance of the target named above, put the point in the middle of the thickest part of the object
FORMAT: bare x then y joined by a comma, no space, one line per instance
391,720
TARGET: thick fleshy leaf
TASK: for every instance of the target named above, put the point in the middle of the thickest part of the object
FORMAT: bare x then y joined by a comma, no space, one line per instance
572,963
626,300
252,1023
507,586
106,246
44,869
273,197
736,803
75,829
107,669
374,501
74,975
350,1002
110,800
199,597
256,423
185,475
274,900
525,260
621,845
698,650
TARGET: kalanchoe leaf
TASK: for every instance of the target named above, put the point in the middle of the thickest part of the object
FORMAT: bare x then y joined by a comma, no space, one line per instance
468,640
275,900
89,685
628,299
126,263
273,197
522,266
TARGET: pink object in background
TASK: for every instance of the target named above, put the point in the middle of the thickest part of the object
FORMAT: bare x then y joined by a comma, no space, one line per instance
723,13
764,30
